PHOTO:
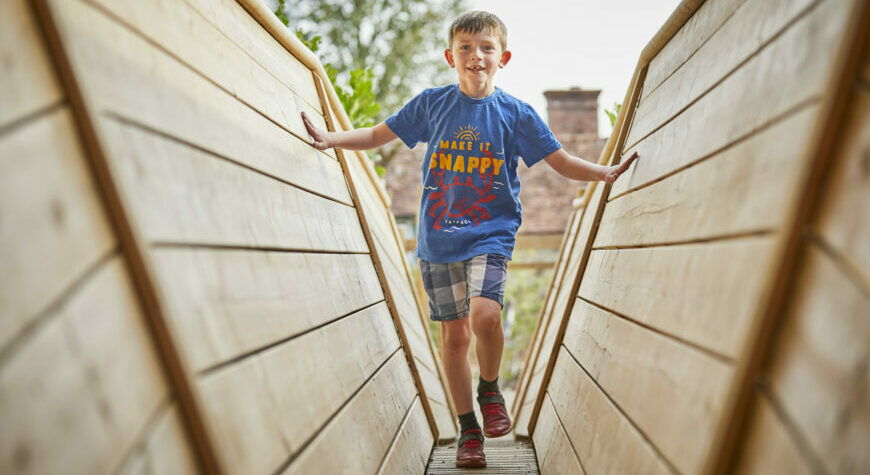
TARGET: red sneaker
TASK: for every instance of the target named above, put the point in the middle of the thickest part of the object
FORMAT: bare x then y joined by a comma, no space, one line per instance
496,421
469,452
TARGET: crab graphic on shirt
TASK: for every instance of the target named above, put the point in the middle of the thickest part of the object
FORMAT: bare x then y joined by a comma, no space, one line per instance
461,198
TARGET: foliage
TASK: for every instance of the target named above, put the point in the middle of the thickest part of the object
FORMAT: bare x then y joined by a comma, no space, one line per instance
612,114
526,290
400,41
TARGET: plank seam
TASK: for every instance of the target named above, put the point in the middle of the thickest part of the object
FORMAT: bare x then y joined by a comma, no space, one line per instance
565,431
293,456
688,242
31,329
848,267
806,11
622,413
166,135
208,371
157,46
25,119
800,106
398,432
240,247
807,453
695,51
701,349
140,443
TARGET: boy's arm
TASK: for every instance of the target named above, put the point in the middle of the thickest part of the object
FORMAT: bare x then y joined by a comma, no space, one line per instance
579,169
357,139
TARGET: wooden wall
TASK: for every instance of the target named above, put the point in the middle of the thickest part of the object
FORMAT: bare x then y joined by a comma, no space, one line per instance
683,262
170,239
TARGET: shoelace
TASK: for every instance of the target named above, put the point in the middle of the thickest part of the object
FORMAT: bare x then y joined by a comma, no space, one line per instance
491,409
471,443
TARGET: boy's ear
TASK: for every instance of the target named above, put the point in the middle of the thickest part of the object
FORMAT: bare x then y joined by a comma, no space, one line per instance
448,55
505,57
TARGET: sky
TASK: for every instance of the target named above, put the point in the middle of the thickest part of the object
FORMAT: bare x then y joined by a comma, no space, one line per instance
557,44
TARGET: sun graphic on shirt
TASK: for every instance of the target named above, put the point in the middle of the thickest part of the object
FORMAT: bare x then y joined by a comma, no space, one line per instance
467,133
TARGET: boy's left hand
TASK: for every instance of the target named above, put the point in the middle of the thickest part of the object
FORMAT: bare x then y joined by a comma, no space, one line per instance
612,173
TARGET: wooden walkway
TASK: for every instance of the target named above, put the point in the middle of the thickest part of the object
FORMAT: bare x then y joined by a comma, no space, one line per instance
503,456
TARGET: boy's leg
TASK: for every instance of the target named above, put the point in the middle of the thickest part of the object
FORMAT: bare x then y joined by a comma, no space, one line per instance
487,275
457,370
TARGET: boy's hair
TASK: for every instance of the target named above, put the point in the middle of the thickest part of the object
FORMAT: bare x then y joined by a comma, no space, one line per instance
477,21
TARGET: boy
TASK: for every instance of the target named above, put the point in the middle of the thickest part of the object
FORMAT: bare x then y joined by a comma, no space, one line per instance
470,208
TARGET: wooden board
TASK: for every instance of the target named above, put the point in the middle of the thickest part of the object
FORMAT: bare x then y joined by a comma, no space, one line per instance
605,441
844,217
503,456
241,28
28,83
768,448
692,35
53,228
818,371
196,43
552,447
412,445
163,450
176,101
741,190
263,409
69,403
225,303
743,34
182,195
671,392
686,291
788,73
385,399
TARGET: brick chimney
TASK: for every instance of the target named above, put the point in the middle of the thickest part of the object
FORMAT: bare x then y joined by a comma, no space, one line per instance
573,111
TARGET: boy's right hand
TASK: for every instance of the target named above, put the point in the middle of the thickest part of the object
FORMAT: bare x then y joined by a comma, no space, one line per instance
321,140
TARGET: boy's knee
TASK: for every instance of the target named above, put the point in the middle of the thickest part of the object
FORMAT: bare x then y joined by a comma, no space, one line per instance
485,316
457,335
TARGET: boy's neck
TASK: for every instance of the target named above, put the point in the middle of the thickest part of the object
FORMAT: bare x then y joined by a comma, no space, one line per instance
477,91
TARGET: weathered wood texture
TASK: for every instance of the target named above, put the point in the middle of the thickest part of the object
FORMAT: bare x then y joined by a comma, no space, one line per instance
72,329
681,263
294,329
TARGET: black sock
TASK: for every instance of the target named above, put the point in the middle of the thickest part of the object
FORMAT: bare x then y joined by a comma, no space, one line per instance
484,386
468,421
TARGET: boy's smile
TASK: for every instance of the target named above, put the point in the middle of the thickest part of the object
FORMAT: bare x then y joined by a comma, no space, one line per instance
476,57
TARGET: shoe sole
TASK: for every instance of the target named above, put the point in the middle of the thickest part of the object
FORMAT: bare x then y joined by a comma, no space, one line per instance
493,435
471,464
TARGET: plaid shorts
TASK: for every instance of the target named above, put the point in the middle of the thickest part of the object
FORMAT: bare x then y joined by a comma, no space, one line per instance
450,285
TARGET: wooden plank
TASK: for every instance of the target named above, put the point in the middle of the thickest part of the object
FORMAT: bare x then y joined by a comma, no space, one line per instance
412,445
670,391
232,20
741,190
768,448
744,33
181,195
686,291
28,81
54,227
163,450
789,72
196,43
69,403
262,414
174,100
844,217
704,23
225,303
385,399
552,447
567,292
604,440
503,456
818,371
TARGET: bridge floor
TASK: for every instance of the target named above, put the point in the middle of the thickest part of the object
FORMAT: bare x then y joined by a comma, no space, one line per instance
503,456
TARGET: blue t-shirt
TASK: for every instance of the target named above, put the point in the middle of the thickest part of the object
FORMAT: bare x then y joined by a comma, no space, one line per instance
471,191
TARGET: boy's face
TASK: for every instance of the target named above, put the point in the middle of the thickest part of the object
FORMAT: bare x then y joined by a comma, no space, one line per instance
476,57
